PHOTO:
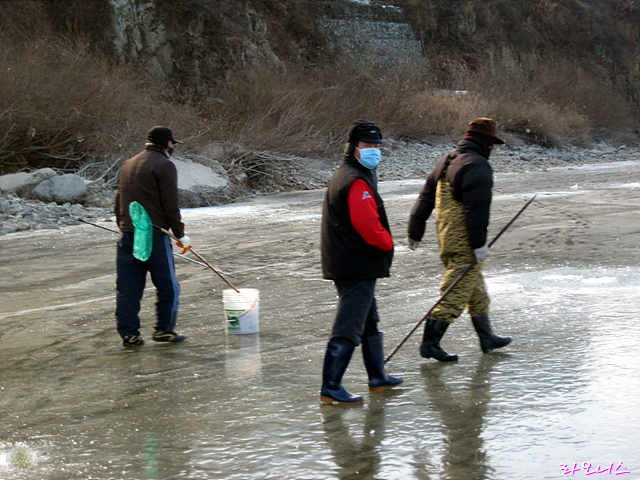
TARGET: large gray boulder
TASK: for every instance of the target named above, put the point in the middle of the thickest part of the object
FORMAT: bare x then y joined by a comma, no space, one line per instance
189,199
60,189
23,183
199,185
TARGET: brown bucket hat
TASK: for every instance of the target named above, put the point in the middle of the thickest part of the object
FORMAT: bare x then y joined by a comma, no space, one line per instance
485,126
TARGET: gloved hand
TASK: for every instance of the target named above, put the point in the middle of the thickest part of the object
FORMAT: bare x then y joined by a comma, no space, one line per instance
412,244
481,253
184,242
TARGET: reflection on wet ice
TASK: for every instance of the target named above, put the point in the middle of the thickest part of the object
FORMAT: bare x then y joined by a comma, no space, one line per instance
358,443
245,406
242,356
461,407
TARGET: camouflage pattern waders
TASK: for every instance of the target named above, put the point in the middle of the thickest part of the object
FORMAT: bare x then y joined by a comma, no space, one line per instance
456,255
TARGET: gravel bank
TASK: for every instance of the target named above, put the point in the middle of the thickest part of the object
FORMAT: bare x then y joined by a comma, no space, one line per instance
401,159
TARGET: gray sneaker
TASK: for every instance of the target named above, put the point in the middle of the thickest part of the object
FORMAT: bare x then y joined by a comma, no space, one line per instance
171,337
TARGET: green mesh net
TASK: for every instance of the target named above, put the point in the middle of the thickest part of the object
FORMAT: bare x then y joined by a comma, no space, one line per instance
142,233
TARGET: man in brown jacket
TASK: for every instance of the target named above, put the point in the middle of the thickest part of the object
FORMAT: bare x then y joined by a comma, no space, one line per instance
150,179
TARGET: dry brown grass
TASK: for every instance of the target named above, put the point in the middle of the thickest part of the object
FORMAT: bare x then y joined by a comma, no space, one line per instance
307,112
556,101
63,104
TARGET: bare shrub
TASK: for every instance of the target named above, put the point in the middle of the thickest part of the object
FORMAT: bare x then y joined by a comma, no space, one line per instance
592,96
61,105
552,101
307,112
438,112
288,110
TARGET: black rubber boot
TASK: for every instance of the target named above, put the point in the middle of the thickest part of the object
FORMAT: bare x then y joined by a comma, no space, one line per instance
488,340
430,347
336,361
373,354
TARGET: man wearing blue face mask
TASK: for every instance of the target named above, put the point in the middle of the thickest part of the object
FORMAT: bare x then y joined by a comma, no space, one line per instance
357,249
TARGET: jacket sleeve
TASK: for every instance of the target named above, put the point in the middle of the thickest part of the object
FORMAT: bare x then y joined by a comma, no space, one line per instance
422,209
476,185
363,213
168,185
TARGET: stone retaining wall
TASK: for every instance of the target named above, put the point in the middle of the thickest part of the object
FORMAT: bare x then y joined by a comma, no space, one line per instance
369,33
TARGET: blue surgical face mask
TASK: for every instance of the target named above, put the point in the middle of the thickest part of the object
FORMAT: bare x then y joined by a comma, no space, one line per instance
369,157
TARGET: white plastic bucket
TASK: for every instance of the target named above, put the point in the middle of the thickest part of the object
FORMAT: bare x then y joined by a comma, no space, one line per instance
241,310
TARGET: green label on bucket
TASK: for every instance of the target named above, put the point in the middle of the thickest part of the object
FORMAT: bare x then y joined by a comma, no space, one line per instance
232,318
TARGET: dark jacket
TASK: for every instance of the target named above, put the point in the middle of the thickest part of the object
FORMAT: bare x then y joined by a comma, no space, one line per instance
470,177
150,179
345,255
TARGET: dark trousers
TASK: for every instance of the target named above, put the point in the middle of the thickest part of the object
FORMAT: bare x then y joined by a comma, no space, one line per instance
357,315
130,283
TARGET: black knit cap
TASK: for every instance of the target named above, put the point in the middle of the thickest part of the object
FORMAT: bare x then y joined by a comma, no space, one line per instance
161,136
363,131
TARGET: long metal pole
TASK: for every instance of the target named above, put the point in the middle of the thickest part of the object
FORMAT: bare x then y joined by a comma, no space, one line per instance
184,257
457,280
166,232
96,225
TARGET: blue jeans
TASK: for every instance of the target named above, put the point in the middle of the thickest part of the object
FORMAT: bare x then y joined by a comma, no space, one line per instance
357,314
131,279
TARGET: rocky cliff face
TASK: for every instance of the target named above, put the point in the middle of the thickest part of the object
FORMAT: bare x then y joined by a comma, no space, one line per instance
191,42
189,46
375,34
139,33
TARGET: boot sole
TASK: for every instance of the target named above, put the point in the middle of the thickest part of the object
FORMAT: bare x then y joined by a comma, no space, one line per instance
491,349
381,389
454,359
331,400
444,360
169,341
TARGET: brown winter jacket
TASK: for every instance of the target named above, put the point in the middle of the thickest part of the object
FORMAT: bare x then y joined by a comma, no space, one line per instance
470,178
150,179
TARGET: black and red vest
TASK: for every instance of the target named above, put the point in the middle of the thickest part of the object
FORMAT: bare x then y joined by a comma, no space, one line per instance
345,255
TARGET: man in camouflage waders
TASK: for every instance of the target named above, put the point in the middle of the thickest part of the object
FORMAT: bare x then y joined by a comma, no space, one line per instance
459,188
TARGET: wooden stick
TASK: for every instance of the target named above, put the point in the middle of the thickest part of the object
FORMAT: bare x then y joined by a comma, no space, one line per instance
504,229
166,232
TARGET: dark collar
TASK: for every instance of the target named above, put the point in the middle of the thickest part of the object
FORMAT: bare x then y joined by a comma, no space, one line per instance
156,148
468,145
353,161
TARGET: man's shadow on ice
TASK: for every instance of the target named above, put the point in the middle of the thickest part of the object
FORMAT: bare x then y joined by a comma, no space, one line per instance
357,456
462,408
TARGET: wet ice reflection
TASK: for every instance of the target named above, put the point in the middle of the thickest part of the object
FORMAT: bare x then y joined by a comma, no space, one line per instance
238,407
580,364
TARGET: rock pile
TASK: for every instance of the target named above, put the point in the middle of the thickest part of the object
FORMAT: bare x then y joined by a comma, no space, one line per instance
404,159
17,214
44,200
24,207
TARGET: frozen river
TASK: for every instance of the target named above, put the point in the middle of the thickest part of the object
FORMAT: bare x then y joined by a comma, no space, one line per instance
564,282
